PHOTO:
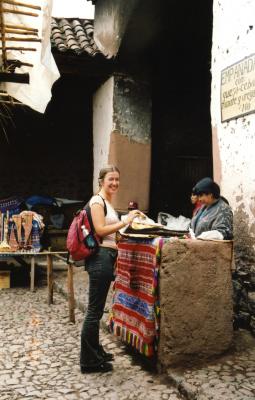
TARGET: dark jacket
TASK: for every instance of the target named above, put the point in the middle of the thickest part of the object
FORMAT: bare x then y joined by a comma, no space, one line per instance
217,216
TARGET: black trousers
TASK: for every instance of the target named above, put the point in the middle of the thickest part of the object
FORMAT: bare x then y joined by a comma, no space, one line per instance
100,268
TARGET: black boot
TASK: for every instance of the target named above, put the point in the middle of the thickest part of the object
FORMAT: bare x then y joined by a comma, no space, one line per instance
106,356
90,356
102,367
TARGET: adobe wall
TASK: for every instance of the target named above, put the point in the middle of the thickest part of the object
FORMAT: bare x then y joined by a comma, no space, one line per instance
195,300
131,140
122,137
102,127
233,147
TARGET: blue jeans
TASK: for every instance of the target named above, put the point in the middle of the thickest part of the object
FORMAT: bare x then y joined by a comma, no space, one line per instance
100,268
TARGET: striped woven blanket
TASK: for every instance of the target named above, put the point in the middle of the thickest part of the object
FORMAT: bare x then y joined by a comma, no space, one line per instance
135,309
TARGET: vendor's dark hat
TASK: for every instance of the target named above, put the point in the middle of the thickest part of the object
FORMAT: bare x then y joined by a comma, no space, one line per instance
206,186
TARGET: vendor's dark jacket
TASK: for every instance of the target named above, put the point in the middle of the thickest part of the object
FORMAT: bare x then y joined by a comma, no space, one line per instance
217,216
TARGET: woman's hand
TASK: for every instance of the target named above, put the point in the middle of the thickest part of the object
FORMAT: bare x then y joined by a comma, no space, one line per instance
128,219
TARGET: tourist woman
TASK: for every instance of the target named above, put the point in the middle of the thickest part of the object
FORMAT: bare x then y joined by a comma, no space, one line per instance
100,267
214,220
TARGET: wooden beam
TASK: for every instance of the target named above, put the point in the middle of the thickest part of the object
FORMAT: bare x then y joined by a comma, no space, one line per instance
32,274
71,300
10,11
50,278
18,63
17,39
4,58
19,48
26,28
12,102
13,77
20,32
18,3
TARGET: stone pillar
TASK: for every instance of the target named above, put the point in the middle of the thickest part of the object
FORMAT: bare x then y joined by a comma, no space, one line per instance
122,136
195,300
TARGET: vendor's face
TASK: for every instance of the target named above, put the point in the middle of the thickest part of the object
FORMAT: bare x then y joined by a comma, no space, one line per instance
111,182
206,199
194,198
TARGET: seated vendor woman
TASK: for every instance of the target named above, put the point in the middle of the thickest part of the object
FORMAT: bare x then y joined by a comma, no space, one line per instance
214,220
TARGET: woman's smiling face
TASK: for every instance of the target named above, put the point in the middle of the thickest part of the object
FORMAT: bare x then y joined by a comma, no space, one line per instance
111,182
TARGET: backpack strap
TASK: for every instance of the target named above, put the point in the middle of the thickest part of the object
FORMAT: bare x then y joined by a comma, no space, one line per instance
88,211
105,208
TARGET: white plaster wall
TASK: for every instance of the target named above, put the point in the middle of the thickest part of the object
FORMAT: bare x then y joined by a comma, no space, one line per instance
102,127
234,39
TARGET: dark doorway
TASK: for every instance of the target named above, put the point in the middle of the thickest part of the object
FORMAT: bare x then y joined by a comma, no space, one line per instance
181,124
51,153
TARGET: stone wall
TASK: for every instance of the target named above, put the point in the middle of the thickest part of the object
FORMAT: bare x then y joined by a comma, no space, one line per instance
195,300
244,299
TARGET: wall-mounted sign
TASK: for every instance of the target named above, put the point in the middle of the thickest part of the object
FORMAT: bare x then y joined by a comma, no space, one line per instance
238,89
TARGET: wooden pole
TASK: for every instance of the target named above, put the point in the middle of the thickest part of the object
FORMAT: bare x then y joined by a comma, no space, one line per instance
20,63
26,28
32,274
12,103
9,10
16,39
71,302
50,279
17,3
3,48
20,32
70,288
19,48
14,77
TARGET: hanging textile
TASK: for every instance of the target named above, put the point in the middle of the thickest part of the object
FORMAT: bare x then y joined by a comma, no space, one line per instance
135,308
11,204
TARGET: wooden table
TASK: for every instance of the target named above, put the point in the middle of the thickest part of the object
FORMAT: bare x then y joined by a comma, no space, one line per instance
49,257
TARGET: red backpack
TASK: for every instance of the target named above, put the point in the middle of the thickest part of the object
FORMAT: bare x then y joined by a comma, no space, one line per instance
82,240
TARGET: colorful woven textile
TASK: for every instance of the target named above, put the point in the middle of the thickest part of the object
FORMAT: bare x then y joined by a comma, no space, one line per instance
135,309
11,204
25,235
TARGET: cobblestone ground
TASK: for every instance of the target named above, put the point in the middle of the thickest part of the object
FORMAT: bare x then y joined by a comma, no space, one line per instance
232,376
39,356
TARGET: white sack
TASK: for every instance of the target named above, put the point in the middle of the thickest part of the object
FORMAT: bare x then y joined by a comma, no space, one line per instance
211,235
44,72
180,223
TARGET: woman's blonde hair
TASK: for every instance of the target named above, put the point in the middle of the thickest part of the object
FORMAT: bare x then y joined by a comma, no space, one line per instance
104,171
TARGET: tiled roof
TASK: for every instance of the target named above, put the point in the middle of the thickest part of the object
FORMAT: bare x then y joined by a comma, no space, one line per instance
75,35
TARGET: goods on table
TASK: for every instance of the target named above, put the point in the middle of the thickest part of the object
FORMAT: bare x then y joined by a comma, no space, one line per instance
20,232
